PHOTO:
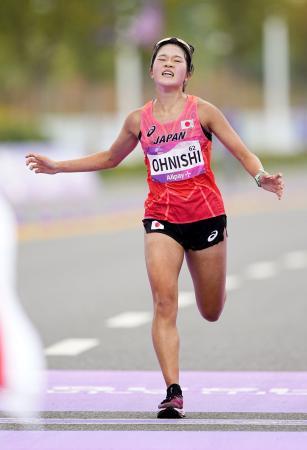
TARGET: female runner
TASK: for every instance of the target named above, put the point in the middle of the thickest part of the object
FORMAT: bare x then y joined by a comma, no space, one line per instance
184,211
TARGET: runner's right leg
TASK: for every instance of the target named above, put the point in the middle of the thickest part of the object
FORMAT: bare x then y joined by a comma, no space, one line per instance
164,257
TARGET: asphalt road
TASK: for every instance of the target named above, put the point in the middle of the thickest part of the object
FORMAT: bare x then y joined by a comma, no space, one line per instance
71,285
82,281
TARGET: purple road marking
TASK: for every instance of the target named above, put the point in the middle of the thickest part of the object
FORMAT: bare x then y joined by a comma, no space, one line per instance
151,440
141,391
205,391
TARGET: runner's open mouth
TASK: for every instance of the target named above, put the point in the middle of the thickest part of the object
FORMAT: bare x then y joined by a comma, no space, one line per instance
168,73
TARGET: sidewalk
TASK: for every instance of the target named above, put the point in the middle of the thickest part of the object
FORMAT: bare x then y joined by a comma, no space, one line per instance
118,204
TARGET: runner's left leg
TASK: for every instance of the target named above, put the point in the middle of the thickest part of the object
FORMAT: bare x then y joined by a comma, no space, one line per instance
208,271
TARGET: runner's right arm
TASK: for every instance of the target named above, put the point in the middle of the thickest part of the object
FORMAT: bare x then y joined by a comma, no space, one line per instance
123,145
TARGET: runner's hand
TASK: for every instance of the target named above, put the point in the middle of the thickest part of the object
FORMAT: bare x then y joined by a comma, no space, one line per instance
273,183
41,164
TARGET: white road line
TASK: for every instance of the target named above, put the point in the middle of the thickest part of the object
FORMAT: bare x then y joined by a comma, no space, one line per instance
132,319
71,347
186,298
129,319
295,260
261,270
256,271
132,421
232,282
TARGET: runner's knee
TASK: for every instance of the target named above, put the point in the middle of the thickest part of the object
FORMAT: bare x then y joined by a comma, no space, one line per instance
165,306
211,316
212,312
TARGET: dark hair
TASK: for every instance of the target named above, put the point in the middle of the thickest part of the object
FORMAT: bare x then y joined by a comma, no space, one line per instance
187,48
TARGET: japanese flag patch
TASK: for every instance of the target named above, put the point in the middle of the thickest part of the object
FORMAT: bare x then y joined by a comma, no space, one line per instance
186,124
155,225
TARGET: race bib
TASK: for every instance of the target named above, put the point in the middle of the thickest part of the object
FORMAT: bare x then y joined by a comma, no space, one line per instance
181,162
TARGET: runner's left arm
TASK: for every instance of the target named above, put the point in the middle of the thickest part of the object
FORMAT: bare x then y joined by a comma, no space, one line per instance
219,125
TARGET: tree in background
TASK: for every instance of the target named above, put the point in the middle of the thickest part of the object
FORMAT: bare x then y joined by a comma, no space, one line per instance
45,43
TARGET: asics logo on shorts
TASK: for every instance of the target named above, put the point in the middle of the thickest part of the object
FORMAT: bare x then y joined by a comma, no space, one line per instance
212,236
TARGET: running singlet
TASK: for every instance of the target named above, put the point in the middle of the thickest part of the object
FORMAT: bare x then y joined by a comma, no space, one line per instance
177,155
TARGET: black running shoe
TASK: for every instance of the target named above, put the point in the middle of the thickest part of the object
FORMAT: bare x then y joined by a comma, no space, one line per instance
172,406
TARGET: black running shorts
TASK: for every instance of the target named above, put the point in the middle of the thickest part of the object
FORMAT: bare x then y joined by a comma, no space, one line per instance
192,236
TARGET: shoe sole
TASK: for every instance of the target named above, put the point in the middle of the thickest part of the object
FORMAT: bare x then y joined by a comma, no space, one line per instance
170,413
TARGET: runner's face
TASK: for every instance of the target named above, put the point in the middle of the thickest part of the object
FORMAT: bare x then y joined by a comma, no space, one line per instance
170,67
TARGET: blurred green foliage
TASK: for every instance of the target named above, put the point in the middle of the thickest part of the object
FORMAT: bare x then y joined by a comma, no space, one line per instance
50,41
53,39
17,127
230,32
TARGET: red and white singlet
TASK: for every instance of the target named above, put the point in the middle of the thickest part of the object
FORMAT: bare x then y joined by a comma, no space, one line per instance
177,155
